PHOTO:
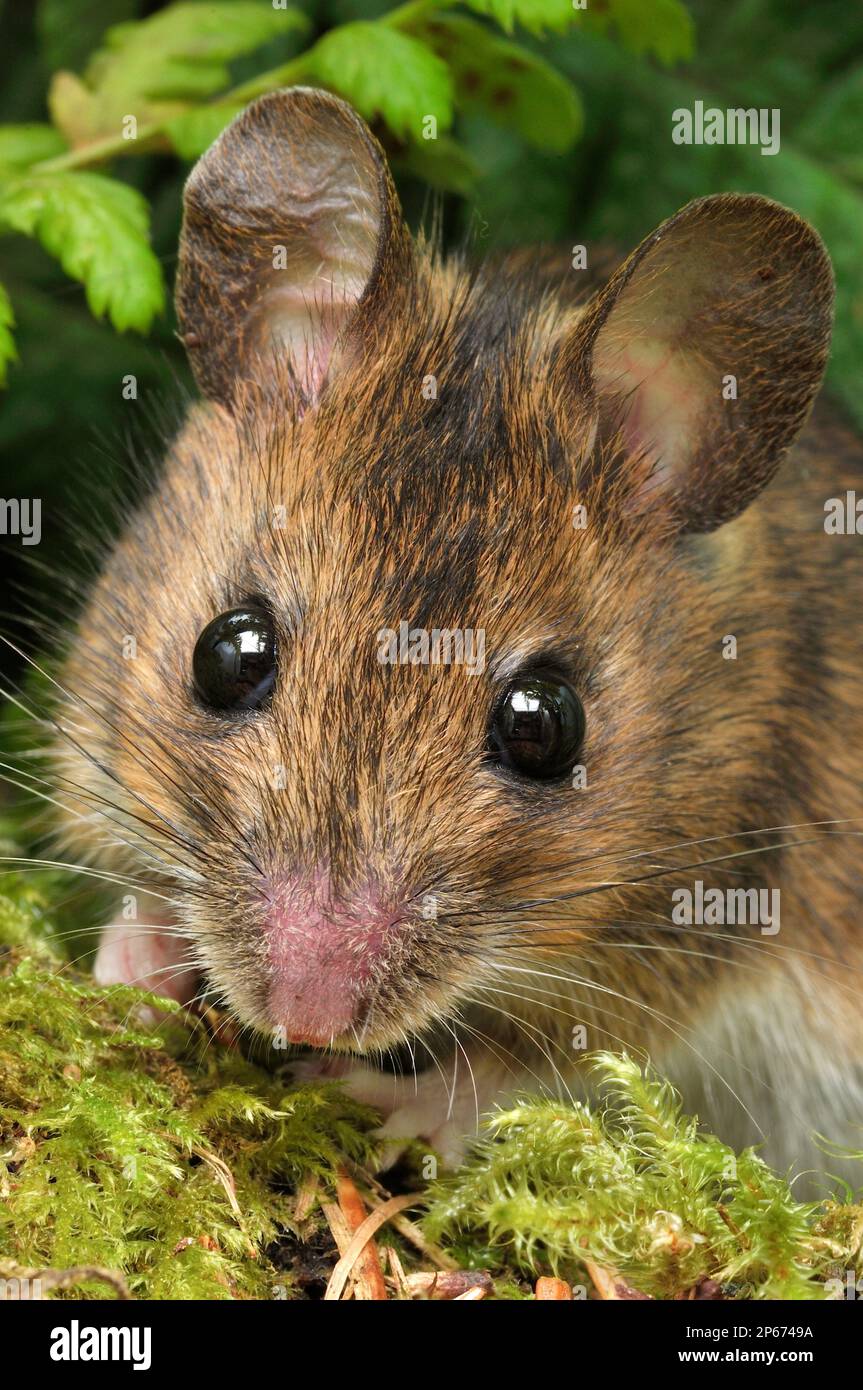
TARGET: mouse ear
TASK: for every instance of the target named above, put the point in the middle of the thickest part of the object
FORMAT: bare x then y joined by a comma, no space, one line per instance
704,352
293,242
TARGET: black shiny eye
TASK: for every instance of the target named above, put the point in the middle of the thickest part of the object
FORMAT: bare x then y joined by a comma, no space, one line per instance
538,726
234,664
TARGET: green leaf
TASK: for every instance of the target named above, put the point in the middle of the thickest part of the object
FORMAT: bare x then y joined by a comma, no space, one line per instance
183,51
7,342
384,73
23,145
537,16
516,88
97,229
662,28
153,68
194,132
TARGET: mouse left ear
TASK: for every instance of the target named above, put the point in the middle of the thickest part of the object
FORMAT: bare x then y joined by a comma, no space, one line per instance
293,246
702,355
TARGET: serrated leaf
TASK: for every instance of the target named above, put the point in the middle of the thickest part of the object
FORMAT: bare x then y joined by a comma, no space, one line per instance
7,342
183,51
384,73
517,88
153,68
537,16
23,145
663,28
97,229
194,132
73,108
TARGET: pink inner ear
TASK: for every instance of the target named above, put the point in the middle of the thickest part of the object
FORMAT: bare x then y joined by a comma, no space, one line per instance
663,394
302,306
291,323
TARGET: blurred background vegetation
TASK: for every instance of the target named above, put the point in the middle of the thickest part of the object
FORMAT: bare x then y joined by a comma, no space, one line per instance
587,155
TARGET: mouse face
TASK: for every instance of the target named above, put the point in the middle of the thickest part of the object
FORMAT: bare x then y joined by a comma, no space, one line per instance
406,702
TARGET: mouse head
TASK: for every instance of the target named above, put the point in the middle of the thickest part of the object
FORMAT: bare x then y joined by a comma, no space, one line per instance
423,653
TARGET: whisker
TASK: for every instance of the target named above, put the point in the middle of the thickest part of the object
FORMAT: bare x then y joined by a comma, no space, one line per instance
656,1014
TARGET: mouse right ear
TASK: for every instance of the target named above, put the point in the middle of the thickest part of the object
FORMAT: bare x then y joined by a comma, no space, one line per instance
293,244
700,359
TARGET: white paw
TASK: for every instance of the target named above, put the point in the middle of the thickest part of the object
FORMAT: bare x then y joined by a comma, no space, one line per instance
442,1107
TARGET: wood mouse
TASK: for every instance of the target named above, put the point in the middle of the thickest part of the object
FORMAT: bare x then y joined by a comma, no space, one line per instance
480,638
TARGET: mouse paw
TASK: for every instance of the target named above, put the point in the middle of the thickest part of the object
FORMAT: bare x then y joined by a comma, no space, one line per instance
443,1107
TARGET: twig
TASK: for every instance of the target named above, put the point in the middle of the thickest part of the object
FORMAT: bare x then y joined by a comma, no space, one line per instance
306,1197
412,1233
341,1231
46,1279
367,1270
403,1224
379,1217
610,1284
398,1275
450,1284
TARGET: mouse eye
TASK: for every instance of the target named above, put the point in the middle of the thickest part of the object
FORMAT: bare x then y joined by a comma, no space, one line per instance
538,726
234,663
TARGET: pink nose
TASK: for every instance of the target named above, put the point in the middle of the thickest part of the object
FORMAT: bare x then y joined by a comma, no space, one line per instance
325,959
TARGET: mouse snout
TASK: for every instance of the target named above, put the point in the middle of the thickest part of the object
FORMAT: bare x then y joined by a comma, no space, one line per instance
326,957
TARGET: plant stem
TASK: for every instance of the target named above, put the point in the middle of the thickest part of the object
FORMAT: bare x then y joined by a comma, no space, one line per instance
99,150
114,145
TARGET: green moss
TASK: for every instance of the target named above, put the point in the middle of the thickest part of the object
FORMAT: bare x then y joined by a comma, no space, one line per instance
146,1152
635,1186
161,1156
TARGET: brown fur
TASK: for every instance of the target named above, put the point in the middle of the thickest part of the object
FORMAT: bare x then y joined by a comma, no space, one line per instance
458,512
